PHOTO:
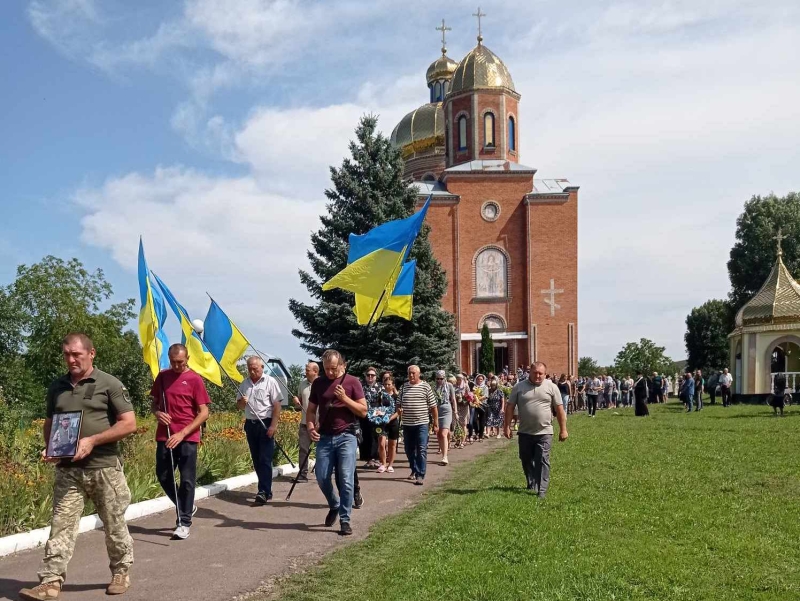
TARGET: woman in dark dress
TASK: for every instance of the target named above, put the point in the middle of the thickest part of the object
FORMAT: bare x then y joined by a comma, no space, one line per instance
640,393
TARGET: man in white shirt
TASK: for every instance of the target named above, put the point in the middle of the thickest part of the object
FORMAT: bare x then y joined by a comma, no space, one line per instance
312,372
260,397
725,381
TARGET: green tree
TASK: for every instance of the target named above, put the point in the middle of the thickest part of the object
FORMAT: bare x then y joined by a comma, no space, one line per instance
753,253
588,367
643,357
487,350
46,301
707,329
368,190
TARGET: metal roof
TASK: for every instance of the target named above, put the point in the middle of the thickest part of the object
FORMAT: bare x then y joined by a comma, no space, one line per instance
483,165
778,300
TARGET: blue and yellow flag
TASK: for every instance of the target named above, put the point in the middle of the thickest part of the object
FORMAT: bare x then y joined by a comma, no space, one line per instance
375,259
225,341
201,360
400,302
151,320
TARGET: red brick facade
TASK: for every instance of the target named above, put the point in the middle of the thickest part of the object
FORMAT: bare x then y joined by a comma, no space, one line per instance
534,236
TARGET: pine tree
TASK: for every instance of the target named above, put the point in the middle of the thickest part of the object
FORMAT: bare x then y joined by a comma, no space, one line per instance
368,190
487,350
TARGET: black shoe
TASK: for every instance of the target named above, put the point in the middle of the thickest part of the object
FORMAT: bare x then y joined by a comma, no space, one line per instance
358,500
261,498
330,519
419,481
345,529
302,479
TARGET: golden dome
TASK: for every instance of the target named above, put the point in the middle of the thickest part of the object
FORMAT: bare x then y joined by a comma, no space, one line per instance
777,302
441,68
481,68
420,129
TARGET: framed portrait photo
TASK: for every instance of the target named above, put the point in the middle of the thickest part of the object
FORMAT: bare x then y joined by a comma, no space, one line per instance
64,434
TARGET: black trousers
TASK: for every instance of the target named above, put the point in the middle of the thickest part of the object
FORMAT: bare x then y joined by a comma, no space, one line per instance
725,391
480,421
592,403
184,457
368,449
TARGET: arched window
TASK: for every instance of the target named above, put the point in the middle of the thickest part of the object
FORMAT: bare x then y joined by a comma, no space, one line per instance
488,130
495,322
437,92
462,132
512,131
491,274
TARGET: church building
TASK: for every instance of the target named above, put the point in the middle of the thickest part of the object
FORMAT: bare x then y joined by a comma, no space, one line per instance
506,237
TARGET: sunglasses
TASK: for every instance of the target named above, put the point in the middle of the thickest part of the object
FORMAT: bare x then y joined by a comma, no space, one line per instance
370,375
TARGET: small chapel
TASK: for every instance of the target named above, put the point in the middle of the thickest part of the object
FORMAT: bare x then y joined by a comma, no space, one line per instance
507,238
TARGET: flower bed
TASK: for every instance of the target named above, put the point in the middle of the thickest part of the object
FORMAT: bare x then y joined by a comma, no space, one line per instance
26,483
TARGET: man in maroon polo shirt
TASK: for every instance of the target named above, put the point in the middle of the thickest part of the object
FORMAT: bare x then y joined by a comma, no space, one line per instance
180,403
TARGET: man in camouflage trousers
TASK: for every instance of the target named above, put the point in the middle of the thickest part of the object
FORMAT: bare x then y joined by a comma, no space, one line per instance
95,472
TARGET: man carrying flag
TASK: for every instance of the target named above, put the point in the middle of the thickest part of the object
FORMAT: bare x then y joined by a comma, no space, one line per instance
180,403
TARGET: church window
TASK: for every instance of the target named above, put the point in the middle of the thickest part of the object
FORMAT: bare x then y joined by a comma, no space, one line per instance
488,130
437,92
462,132
512,140
491,274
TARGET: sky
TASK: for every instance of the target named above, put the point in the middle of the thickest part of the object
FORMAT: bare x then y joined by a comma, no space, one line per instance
208,128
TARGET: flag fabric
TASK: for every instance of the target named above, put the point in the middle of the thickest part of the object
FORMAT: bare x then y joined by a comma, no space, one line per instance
400,302
151,320
201,360
225,341
375,259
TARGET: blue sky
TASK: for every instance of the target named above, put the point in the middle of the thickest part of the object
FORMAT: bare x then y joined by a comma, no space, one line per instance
208,127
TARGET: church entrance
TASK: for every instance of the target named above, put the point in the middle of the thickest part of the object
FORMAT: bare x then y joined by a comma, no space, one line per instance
500,356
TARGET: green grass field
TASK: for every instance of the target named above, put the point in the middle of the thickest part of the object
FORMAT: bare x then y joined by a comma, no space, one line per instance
674,506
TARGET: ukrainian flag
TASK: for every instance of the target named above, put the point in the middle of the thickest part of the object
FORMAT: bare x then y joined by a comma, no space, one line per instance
201,360
376,258
225,341
151,320
400,302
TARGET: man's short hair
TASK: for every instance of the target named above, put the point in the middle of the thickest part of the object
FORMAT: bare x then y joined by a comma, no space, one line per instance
414,367
332,354
177,348
255,358
85,341
539,364
314,366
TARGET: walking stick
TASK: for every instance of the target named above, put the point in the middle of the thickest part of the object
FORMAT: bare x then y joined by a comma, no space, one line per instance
171,458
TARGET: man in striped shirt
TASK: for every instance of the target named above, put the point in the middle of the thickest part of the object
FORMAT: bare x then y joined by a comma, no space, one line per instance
416,402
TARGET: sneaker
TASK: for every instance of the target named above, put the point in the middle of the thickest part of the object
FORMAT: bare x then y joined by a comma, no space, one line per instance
444,461
345,529
412,477
261,498
419,481
358,500
499,436
381,469
330,519
390,469
181,532
45,590
120,583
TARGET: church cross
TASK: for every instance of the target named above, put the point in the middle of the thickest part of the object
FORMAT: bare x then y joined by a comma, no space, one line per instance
444,29
552,300
779,239
479,14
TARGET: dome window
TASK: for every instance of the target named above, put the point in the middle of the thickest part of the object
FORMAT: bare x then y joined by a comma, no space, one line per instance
488,130
512,133
437,92
462,132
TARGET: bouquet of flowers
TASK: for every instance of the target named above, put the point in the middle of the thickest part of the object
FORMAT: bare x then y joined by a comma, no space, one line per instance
476,399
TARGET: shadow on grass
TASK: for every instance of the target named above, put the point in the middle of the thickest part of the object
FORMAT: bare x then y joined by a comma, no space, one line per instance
520,490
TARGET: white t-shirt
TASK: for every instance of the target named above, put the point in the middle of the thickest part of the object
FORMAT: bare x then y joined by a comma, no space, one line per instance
725,380
304,393
260,396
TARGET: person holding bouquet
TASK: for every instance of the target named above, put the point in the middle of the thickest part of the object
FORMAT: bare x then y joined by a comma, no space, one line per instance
386,423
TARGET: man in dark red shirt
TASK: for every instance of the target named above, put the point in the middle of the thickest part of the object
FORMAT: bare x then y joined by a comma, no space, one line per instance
340,400
180,403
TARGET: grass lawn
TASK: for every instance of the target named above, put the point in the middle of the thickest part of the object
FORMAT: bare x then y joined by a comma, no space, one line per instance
675,506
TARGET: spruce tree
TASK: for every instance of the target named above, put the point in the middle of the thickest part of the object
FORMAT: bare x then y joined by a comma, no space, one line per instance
487,350
368,190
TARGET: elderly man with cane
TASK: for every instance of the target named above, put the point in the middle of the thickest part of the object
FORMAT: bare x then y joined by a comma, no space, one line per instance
260,397
339,398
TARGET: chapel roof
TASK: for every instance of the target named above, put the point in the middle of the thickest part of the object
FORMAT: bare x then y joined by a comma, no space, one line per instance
778,300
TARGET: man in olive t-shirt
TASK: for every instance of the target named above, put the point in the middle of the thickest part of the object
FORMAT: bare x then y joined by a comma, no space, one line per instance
94,472
536,400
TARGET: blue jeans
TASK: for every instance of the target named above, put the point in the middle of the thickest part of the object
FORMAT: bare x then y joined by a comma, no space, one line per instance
565,401
688,401
337,452
262,448
415,439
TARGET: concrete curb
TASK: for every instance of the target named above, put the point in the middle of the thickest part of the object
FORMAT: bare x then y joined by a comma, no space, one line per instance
35,538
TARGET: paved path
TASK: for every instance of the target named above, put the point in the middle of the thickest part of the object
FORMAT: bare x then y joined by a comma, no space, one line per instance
235,547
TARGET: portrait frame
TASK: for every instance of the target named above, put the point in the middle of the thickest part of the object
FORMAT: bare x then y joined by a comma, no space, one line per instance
57,447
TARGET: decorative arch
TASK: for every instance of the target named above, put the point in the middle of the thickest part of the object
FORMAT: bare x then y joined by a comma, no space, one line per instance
491,268
429,177
500,324
768,355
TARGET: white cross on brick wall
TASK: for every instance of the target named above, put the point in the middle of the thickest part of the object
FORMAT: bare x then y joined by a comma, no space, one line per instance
552,300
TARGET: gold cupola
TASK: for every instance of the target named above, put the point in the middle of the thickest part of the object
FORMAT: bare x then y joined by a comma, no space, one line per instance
481,69
777,302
